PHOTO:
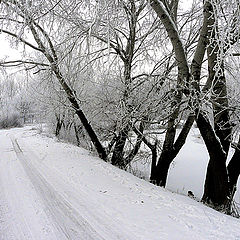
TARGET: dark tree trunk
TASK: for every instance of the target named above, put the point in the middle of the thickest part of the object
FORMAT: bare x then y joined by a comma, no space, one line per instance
127,58
118,152
171,147
58,127
216,189
234,169
217,164
222,124
76,130
91,133
159,175
137,145
153,173
159,171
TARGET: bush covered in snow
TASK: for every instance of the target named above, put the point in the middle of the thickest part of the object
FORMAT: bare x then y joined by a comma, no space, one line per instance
12,120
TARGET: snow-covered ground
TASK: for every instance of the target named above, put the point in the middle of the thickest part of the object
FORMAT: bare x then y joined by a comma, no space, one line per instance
53,190
188,170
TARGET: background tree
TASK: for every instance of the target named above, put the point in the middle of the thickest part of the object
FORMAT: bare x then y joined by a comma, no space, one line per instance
130,36
28,15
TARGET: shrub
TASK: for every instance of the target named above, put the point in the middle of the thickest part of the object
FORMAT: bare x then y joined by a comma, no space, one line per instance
13,120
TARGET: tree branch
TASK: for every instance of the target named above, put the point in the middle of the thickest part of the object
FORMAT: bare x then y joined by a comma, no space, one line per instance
20,62
21,40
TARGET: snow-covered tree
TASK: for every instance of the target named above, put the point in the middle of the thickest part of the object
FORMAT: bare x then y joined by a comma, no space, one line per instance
220,30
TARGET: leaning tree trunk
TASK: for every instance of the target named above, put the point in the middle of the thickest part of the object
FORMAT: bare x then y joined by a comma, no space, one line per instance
70,95
47,48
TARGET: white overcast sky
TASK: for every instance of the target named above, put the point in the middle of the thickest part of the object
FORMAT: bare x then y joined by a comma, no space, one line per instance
7,50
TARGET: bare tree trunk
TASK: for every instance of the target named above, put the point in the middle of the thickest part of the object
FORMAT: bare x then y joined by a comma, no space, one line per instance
137,145
58,128
234,169
153,173
58,125
76,130
159,175
118,152
53,60
169,152
171,149
117,157
216,170
217,190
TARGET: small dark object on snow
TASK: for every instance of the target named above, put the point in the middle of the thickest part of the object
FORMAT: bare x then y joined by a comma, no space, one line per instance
190,194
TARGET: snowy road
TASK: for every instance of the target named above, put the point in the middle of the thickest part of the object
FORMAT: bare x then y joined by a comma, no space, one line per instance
56,218
55,191
67,220
35,200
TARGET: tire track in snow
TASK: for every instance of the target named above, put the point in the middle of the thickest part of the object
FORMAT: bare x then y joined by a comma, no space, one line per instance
67,220
19,201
